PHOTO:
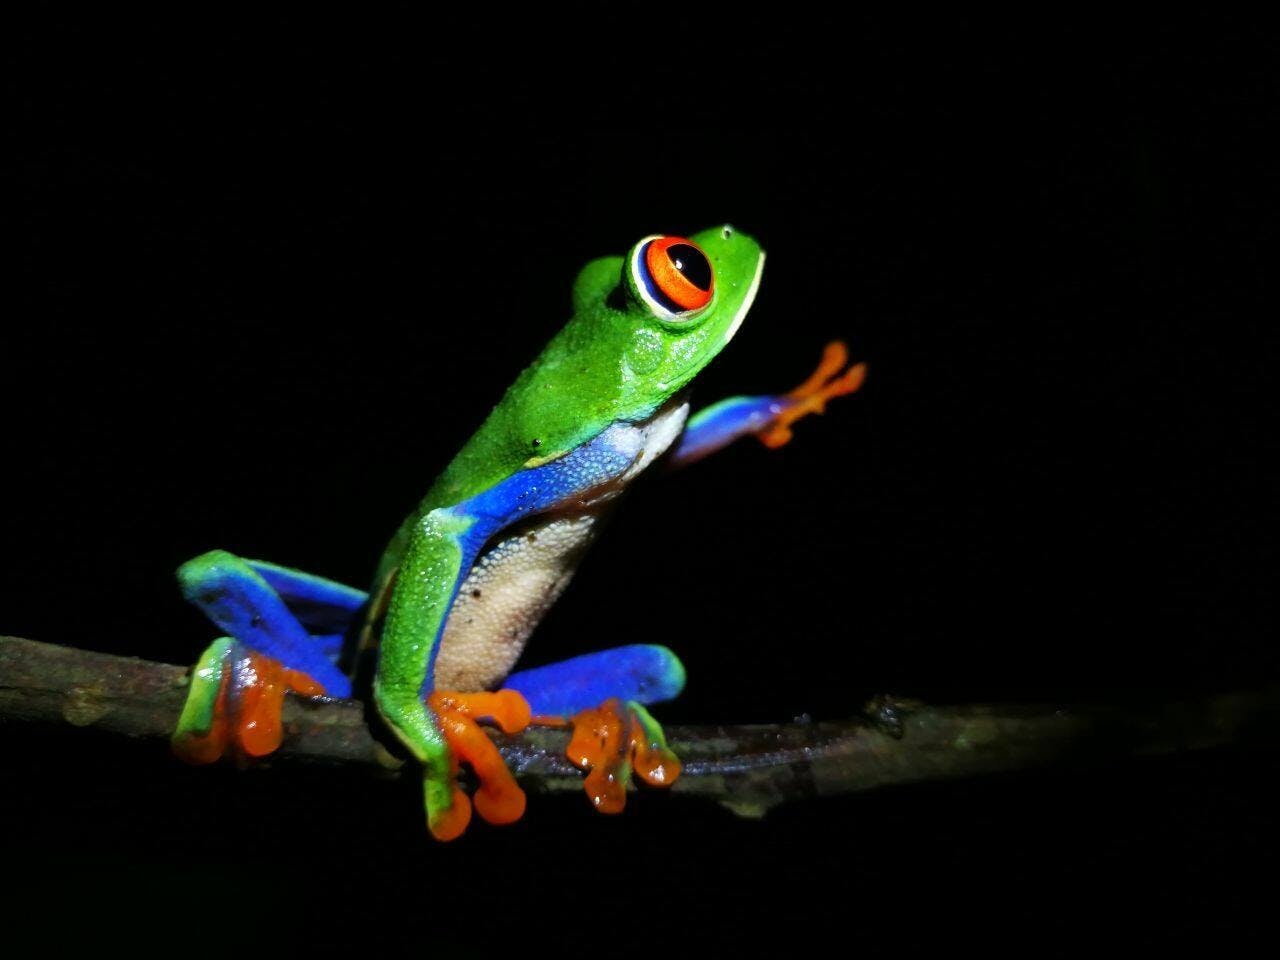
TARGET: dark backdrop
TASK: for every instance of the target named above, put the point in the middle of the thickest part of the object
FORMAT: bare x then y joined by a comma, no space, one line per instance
270,274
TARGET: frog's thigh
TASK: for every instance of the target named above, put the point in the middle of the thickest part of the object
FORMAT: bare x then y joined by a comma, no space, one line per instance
646,673
242,602
322,606
508,590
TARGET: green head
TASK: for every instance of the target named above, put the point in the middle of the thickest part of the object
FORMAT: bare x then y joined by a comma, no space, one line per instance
643,326
660,314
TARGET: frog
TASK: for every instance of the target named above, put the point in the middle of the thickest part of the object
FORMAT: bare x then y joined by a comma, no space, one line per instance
465,579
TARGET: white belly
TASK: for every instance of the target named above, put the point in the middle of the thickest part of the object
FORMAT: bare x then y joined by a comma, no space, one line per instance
523,570
508,591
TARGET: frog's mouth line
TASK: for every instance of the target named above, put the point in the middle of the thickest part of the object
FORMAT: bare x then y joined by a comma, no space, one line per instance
747,300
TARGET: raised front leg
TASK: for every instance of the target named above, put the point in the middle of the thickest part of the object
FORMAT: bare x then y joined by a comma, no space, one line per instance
769,417
238,686
603,696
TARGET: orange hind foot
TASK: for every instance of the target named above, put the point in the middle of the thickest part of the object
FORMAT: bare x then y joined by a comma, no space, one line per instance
611,742
498,799
234,704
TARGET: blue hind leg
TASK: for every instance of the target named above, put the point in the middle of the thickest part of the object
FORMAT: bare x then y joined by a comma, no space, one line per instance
285,632
613,734
645,673
259,605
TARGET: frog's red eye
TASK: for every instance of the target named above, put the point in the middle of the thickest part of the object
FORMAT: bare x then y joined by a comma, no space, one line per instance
674,274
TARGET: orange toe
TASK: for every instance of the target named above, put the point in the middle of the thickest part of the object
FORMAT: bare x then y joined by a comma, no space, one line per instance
259,730
452,823
301,683
656,763
834,356
598,747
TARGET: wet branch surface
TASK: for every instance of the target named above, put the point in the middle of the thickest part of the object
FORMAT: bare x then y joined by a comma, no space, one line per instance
748,768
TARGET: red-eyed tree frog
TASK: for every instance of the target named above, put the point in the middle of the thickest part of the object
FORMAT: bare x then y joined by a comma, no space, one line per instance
497,537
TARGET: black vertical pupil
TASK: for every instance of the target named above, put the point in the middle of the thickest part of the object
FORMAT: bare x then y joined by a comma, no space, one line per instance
692,263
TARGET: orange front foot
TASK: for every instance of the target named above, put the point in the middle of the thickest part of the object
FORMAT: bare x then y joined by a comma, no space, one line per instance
234,704
613,740
826,383
498,799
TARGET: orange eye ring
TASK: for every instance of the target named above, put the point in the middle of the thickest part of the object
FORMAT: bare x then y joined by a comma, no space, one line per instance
676,275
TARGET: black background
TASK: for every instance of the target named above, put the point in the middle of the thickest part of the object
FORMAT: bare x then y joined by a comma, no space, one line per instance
272,273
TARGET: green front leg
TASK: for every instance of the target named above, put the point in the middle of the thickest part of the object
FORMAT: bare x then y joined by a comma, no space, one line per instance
770,416
437,557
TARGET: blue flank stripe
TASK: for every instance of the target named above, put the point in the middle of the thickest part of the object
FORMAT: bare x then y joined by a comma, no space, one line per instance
538,489
523,494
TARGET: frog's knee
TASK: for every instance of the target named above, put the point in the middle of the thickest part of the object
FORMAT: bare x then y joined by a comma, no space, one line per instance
202,574
413,724
663,675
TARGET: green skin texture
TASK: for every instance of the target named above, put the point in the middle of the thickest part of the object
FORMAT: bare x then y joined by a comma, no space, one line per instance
615,360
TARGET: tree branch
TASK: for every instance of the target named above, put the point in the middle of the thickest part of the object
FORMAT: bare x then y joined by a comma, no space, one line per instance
748,768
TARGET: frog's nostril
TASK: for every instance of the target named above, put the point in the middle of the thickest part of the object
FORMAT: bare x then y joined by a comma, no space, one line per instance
728,231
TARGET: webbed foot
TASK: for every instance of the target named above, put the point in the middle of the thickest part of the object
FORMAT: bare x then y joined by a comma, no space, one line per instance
826,383
614,740
498,799
235,700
